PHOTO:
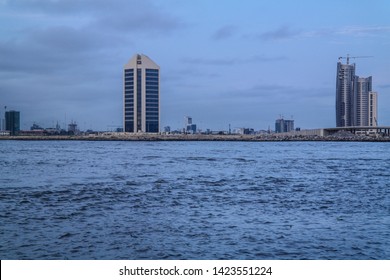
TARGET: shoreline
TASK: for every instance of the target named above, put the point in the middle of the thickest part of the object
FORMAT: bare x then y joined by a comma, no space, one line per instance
199,137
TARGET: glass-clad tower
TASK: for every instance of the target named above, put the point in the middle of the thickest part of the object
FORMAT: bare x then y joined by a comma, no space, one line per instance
363,87
344,94
141,93
12,122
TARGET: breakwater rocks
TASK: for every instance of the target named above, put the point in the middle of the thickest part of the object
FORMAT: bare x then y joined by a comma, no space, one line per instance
199,137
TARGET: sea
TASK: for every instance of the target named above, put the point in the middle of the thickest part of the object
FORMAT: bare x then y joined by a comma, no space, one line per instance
136,200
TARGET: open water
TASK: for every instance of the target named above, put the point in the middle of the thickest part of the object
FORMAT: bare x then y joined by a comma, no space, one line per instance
194,200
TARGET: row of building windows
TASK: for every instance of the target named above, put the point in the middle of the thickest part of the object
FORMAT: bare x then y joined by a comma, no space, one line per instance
151,71
148,100
152,77
148,113
148,79
151,95
152,80
151,118
148,83
129,100
149,86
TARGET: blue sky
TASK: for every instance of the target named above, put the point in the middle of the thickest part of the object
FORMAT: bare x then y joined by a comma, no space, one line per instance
243,63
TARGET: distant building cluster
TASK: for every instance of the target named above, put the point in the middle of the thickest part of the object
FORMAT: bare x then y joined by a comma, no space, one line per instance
189,126
356,106
10,126
356,102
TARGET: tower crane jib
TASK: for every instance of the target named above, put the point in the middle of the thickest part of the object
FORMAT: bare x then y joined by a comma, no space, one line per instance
354,57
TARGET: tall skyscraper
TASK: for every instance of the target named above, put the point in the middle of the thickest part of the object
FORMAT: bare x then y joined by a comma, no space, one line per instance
282,125
344,92
360,101
372,108
12,122
356,103
141,94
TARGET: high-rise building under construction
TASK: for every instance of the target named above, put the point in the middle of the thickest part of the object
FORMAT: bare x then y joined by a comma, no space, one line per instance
356,103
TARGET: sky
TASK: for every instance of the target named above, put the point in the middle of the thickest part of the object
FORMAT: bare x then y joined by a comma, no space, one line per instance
243,63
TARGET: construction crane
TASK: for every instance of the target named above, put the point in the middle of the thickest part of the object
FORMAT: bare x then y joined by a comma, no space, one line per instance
354,57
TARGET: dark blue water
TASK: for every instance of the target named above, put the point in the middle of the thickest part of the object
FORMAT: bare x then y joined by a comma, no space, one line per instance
194,200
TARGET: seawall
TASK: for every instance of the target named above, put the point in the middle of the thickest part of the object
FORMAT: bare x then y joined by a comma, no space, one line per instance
195,137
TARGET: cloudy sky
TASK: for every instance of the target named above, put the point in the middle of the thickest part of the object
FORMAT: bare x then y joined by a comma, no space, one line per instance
243,63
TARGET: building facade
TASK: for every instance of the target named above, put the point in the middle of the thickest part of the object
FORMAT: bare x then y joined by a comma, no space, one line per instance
12,122
356,103
141,92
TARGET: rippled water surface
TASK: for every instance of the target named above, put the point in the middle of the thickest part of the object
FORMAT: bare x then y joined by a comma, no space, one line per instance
194,200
